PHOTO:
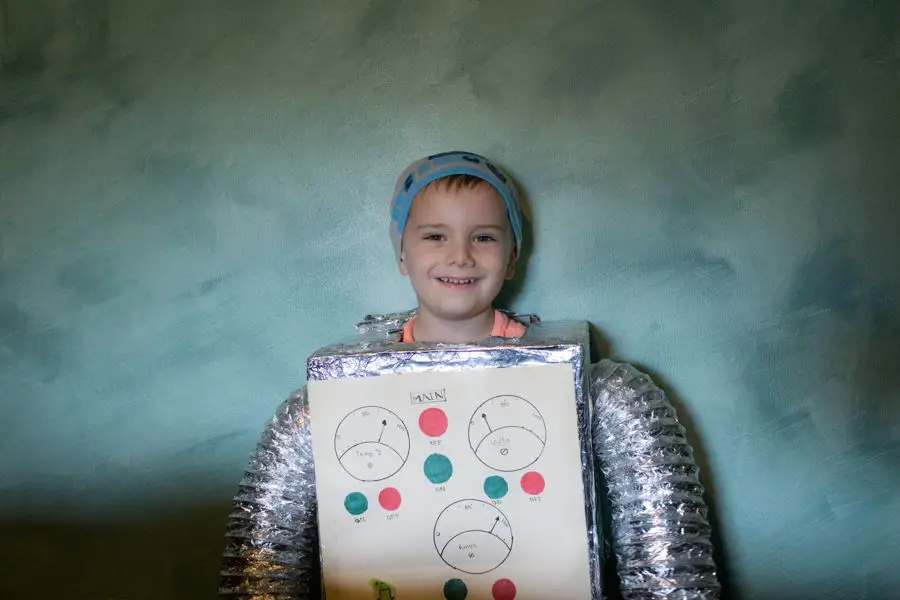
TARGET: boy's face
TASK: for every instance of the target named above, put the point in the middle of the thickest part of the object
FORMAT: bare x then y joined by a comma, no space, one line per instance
458,249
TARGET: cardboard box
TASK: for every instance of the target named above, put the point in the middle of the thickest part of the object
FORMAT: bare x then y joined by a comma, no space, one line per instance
453,472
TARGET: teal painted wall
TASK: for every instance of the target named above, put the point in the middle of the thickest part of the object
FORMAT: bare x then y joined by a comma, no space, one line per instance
194,195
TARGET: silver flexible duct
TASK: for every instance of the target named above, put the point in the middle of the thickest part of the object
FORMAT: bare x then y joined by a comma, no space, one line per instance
272,542
660,531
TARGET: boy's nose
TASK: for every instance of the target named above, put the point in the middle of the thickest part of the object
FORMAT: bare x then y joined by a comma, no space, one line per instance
461,254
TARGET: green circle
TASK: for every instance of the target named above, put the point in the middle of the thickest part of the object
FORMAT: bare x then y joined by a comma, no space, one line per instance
438,468
455,589
495,487
356,503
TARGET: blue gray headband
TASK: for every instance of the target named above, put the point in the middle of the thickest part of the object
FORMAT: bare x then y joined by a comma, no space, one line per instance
431,168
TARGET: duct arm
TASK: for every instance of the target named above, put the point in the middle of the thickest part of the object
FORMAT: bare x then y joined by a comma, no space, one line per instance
272,543
660,531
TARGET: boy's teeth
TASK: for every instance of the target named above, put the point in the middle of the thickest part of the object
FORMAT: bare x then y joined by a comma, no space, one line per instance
456,281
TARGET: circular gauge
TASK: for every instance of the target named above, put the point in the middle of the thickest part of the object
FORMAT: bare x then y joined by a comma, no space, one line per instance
507,433
473,536
371,443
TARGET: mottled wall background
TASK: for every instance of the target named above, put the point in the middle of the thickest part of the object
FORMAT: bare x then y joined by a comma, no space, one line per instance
194,197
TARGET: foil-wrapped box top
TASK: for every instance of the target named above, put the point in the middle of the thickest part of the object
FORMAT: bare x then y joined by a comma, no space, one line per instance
377,350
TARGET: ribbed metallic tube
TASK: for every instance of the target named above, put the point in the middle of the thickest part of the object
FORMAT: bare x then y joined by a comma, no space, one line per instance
272,545
660,530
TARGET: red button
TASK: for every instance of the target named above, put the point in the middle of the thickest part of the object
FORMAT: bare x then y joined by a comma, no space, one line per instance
504,589
532,483
389,499
433,422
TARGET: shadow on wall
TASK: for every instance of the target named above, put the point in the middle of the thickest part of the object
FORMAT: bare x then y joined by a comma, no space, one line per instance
173,556
600,349
707,478
46,45
507,297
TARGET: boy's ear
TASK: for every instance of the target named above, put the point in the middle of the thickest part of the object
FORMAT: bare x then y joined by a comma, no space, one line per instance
511,267
403,270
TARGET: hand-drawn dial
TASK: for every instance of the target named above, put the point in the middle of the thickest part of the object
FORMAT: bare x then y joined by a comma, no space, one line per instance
473,536
507,433
371,443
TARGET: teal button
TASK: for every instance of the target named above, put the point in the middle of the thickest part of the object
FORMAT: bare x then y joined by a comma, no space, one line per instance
438,468
455,589
495,487
356,504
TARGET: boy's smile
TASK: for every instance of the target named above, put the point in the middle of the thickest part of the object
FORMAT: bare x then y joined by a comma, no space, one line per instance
458,249
456,283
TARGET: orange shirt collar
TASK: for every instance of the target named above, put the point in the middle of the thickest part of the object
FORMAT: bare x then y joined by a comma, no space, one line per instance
503,327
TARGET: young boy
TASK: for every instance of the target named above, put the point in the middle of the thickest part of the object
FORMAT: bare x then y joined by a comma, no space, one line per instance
456,227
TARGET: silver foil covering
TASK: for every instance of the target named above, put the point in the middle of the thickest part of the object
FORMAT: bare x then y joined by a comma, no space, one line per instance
384,325
660,531
272,543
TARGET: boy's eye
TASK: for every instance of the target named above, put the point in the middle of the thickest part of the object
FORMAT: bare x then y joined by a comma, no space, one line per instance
485,238
435,237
